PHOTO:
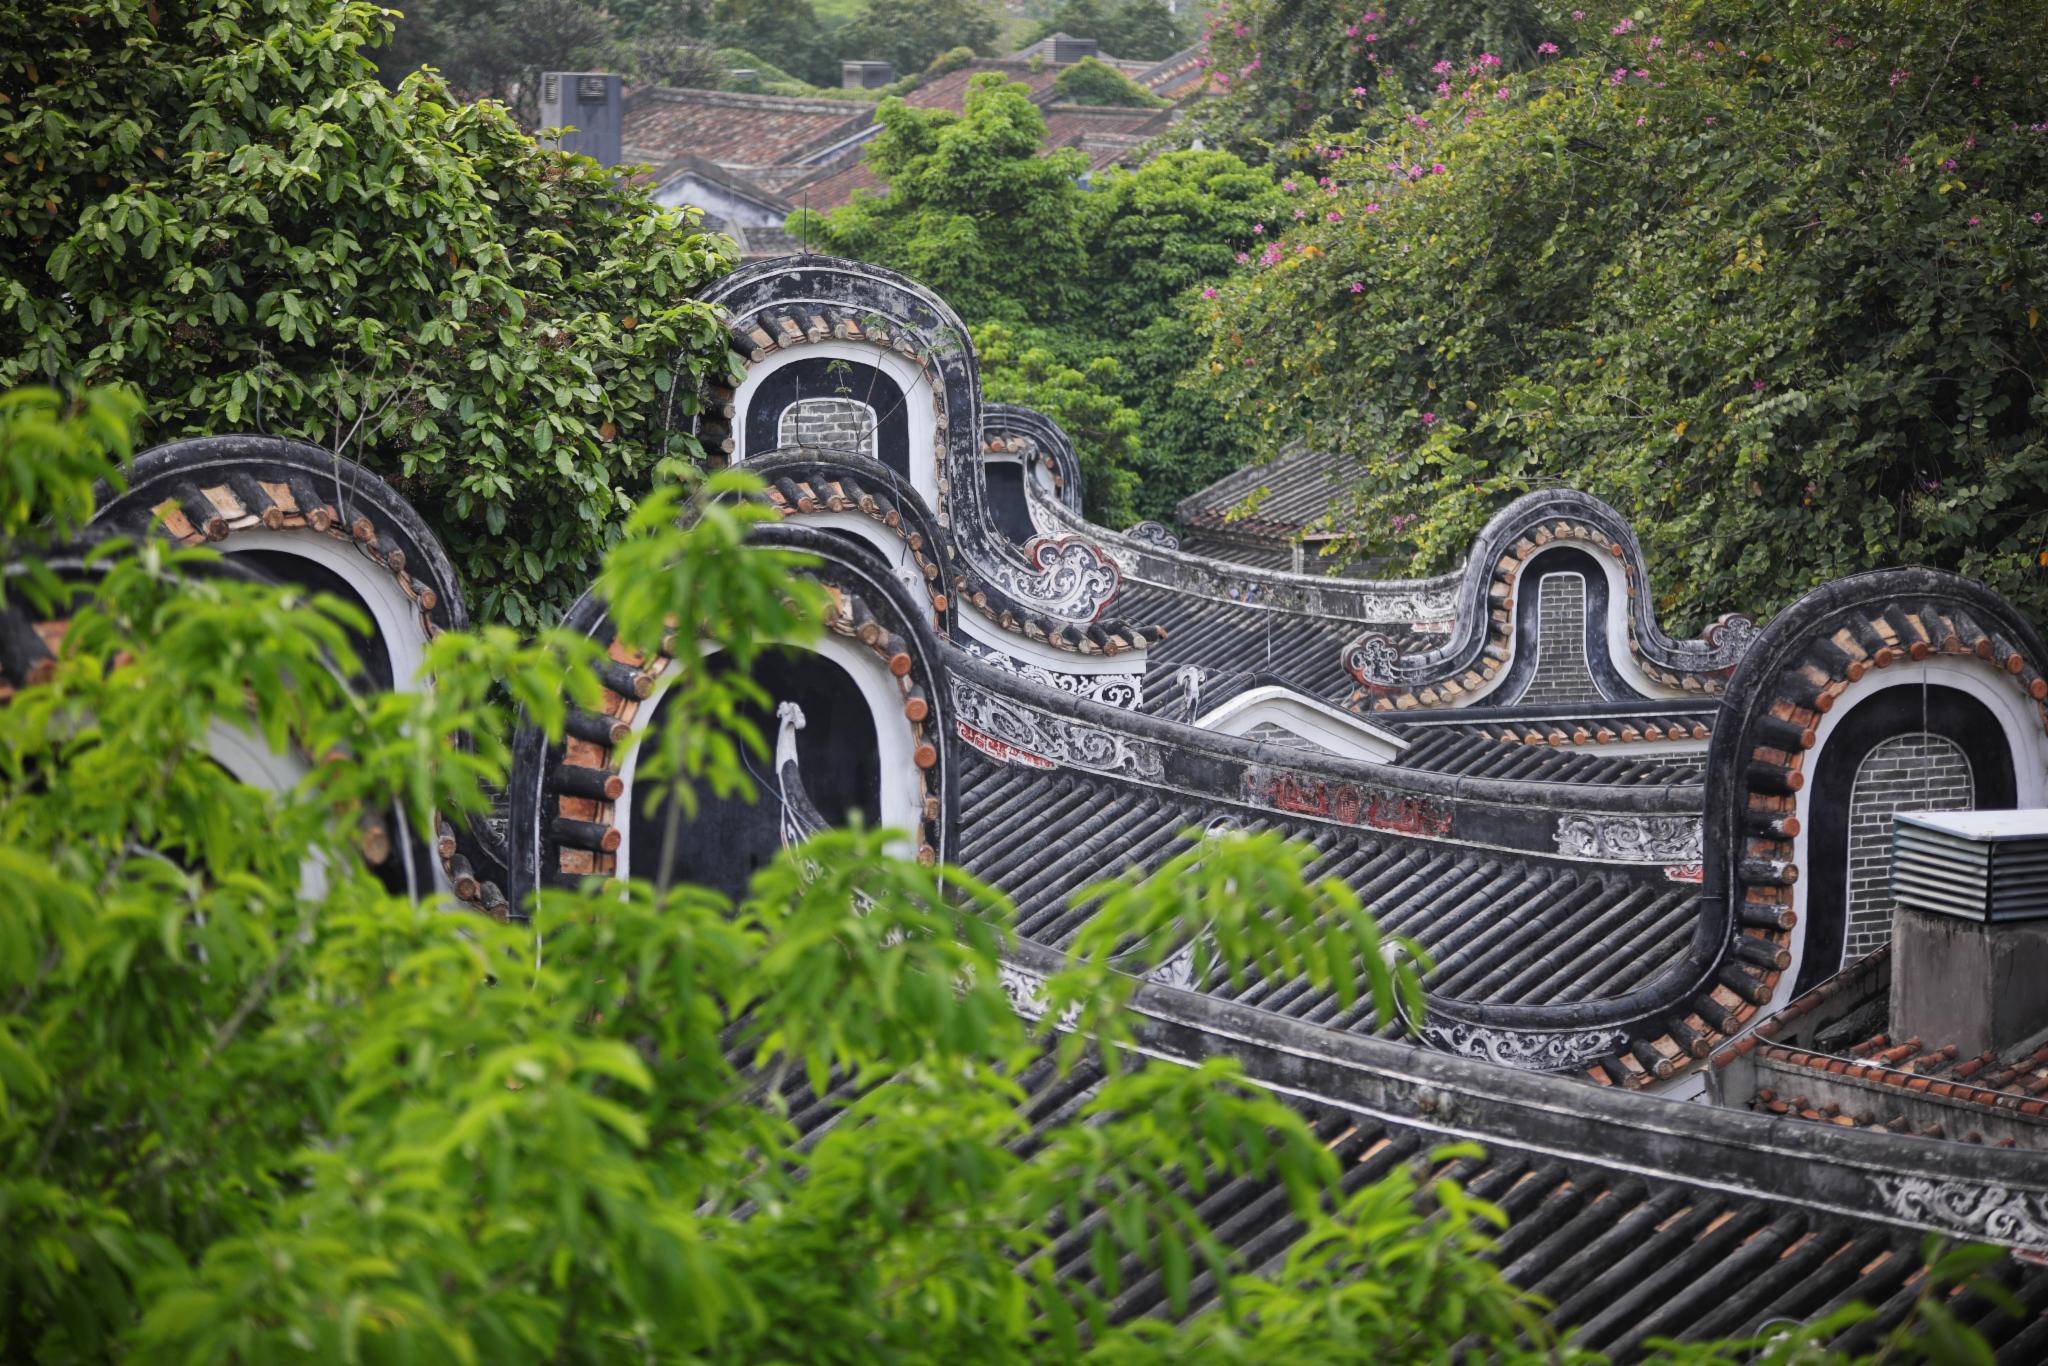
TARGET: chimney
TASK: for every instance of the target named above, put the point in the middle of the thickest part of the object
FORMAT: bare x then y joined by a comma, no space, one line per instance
1970,932
592,103
1068,50
865,75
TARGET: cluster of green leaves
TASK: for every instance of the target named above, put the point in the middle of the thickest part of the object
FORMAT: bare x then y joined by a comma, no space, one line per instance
216,201
1768,278
1096,333
1284,67
253,1107
1092,82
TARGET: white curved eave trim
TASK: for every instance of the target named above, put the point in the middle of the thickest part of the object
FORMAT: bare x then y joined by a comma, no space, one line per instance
397,617
250,761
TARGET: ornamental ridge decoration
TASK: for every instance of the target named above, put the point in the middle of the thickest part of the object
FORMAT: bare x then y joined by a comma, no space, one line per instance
1074,579
1153,533
1049,739
1999,1214
1630,839
1112,690
1526,1050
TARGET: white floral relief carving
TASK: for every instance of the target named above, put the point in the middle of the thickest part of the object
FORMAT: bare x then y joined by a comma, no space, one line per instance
1528,1050
1153,533
1074,579
1054,738
1114,690
1630,839
1993,1212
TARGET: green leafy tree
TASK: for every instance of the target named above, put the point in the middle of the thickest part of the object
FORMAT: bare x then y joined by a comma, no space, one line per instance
1091,82
788,32
1022,365
1769,279
1143,29
496,49
252,1107
216,200
969,198
910,33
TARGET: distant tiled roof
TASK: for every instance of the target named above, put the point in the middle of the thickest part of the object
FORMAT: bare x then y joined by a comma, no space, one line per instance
1292,491
1106,133
950,90
1178,76
827,187
663,123
711,172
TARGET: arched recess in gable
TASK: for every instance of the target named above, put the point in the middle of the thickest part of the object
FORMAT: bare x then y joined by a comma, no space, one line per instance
302,515
875,708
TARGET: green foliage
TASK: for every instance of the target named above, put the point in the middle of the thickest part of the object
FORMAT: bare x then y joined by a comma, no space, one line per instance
1102,313
254,1108
1285,67
1091,82
1778,299
216,201
969,197
54,451
1145,30
1021,365
911,33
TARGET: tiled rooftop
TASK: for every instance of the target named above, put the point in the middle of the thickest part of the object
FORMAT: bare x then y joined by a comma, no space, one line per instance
664,122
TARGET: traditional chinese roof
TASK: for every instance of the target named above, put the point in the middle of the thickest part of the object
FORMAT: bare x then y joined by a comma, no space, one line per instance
662,123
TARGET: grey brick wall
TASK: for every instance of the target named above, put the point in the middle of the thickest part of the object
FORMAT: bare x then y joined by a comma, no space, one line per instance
1561,671
838,424
1917,772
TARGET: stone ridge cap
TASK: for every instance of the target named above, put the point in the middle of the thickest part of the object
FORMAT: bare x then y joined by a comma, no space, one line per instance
1843,1171
1675,799
735,99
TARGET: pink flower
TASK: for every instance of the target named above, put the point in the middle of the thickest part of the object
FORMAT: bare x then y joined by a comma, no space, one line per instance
1209,293
1300,214
1710,120
1949,165
1640,120
1439,169
1429,419
1287,185
1244,257
1488,59
1441,67
1547,49
1501,93
1620,75
2035,219
1358,92
1335,215
1898,76
1756,384
1258,228
1654,44
1357,287
1443,88
1974,222
1372,208
1579,15
1351,30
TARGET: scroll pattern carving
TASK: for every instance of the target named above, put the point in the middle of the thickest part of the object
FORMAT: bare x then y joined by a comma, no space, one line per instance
1630,839
1114,690
1997,1213
1073,579
1056,739
1153,533
1528,1050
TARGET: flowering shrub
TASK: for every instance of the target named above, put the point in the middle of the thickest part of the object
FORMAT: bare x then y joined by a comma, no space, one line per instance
1769,279
1282,66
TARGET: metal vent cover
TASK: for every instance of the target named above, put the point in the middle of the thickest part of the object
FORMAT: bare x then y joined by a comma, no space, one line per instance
1983,866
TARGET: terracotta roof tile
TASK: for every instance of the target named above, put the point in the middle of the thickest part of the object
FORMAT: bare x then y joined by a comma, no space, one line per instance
663,123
